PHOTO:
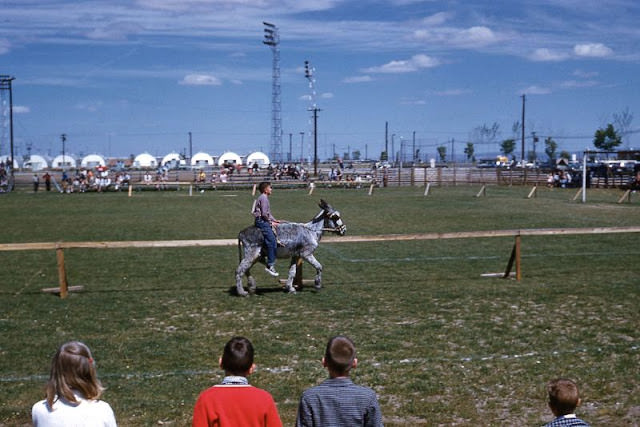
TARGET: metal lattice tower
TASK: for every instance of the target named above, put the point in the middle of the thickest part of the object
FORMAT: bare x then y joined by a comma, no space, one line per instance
5,88
272,39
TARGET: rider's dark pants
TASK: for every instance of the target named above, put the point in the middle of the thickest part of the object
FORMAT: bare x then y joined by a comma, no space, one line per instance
269,240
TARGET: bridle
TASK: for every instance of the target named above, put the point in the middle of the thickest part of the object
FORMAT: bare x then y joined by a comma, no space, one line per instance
340,227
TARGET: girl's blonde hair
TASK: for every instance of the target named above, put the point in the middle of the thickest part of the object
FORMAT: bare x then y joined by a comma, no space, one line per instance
73,368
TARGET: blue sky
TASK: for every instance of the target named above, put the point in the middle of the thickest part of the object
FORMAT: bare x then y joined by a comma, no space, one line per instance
124,77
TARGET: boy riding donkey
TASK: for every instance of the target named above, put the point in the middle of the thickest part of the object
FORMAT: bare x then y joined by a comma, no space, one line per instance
265,221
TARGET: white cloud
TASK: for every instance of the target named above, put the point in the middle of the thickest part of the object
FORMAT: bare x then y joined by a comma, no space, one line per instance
326,95
570,84
535,90
115,31
453,92
592,50
20,109
91,107
358,79
4,46
544,54
477,36
585,74
408,101
416,63
200,80
436,19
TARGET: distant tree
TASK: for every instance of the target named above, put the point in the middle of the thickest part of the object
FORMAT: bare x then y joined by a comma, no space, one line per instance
469,151
356,154
565,155
485,135
606,139
442,152
384,156
516,128
622,122
507,146
550,147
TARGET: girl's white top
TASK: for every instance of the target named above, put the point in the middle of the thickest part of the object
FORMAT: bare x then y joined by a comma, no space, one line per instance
88,413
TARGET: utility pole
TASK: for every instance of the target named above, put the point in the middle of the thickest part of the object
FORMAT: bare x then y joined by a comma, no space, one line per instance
190,149
315,140
63,138
290,148
302,148
386,140
413,149
523,102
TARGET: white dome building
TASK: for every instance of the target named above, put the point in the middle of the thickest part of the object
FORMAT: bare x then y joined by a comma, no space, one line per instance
258,157
202,160
36,163
63,162
145,160
173,161
92,161
229,158
7,159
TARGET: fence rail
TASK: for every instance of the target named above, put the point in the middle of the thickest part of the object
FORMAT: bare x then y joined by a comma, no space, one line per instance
59,247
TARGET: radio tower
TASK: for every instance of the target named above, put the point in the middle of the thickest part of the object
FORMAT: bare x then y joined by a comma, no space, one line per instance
272,39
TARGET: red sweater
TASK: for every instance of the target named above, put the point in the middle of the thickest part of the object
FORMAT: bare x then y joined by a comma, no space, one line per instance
235,405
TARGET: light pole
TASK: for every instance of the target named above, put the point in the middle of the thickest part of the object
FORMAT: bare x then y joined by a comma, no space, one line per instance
308,74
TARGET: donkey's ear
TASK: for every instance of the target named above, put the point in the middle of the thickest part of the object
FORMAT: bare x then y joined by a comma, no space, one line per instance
323,204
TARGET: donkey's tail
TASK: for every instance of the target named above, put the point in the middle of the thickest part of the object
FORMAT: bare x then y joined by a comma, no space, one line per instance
239,249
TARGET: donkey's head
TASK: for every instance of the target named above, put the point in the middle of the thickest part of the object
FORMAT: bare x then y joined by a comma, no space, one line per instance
332,219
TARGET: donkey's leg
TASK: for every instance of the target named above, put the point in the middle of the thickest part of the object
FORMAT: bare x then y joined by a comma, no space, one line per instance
243,269
292,274
314,262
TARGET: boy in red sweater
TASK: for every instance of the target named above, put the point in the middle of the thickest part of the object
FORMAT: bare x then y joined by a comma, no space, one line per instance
235,402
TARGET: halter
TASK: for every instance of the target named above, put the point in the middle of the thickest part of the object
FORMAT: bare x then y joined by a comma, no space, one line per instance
335,216
339,228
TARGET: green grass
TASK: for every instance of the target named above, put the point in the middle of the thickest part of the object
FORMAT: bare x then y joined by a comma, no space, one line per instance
440,344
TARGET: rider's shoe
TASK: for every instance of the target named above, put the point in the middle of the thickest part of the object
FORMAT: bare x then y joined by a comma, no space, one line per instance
272,271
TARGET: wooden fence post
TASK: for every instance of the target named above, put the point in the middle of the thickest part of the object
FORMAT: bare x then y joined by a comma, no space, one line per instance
626,195
62,273
515,256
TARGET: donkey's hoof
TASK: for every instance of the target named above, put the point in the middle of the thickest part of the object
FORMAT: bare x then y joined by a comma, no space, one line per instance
292,291
242,293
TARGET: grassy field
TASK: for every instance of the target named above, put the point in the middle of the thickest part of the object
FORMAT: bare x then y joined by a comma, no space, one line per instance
440,344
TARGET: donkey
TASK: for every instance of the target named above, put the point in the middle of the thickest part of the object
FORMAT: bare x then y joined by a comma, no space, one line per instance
295,241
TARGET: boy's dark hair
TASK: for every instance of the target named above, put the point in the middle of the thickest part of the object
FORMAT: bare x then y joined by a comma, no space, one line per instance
563,396
340,354
237,357
263,185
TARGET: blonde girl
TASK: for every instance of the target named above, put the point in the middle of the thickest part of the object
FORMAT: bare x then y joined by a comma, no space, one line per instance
73,392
